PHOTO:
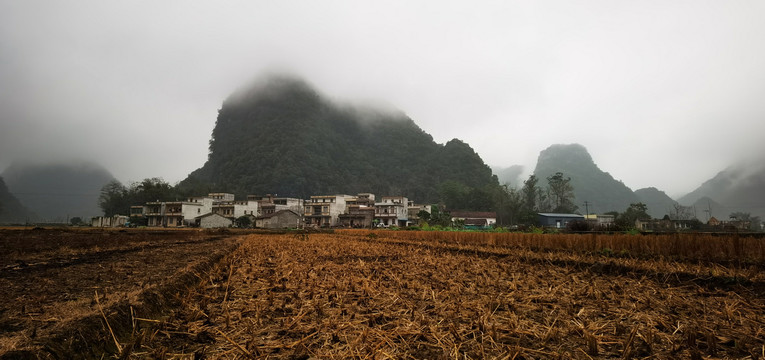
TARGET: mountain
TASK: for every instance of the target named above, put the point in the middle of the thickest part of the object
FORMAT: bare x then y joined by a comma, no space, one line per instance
602,192
11,210
509,175
58,191
705,208
740,187
282,136
657,201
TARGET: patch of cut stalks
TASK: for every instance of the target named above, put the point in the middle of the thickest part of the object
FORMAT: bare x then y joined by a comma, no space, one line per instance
690,246
343,296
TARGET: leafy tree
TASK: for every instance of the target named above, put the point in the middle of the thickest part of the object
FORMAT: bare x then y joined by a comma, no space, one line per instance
635,211
243,222
531,197
114,198
440,217
509,204
423,216
561,193
76,221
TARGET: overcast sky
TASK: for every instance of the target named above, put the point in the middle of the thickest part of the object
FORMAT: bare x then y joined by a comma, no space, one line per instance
662,93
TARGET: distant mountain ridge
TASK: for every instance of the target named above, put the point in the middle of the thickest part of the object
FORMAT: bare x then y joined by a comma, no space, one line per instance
599,189
509,175
657,201
740,187
11,209
58,191
282,136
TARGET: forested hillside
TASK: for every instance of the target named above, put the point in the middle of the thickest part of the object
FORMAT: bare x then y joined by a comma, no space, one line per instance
282,136
601,191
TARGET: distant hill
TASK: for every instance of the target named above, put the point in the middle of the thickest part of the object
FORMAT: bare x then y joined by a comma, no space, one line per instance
591,184
509,175
704,208
282,136
740,187
57,191
657,201
11,209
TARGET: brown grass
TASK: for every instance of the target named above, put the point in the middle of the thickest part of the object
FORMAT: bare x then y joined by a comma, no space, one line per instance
692,246
401,295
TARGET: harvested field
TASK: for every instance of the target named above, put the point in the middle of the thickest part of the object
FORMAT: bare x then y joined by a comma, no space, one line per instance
356,295
49,280
361,294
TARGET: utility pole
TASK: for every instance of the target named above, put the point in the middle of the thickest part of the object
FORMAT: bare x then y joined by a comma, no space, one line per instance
587,209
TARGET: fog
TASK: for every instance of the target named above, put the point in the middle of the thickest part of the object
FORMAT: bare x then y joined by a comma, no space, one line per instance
662,94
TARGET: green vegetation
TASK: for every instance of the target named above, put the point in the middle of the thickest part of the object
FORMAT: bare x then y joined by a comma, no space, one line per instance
116,199
589,182
243,222
281,136
520,206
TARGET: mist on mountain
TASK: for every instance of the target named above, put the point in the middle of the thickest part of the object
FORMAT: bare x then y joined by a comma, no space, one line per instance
58,191
595,191
282,136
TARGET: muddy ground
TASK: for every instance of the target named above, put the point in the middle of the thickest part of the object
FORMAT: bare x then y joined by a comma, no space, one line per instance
50,277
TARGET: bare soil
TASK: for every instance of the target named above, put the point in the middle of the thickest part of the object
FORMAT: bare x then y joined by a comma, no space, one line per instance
197,295
50,277
348,296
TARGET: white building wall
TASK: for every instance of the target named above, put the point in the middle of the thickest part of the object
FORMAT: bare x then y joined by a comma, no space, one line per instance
246,208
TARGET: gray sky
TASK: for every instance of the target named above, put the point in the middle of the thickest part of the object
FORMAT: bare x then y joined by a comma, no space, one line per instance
662,93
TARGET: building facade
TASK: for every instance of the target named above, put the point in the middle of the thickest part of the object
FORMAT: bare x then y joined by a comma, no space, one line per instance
324,210
392,211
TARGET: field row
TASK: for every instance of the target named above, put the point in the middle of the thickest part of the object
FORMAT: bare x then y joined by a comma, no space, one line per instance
684,246
350,295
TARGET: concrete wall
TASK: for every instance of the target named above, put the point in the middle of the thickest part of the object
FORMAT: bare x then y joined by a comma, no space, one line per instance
280,220
214,221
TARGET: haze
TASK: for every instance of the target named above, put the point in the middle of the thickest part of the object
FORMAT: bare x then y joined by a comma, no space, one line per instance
662,93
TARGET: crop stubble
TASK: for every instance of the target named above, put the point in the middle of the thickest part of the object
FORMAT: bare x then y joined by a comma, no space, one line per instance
354,295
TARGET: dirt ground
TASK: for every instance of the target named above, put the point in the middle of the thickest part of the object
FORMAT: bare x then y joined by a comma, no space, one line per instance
346,296
49,277
197,295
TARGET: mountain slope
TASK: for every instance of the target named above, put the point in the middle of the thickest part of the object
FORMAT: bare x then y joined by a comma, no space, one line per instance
509,175
11,210
56,192
658,202
740,187
282,136
602,192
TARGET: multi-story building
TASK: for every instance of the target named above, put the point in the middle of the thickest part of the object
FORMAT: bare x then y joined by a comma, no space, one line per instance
414,210
270,204
235,208
177,213
359,211
221,196
138,211
324,210
392,211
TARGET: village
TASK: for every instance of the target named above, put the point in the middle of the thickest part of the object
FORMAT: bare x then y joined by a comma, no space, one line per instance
364,210
220,210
